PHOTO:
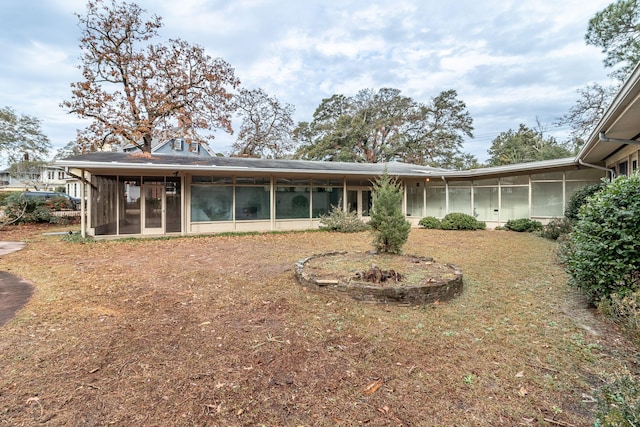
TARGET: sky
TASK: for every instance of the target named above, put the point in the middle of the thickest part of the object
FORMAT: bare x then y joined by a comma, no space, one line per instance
511,62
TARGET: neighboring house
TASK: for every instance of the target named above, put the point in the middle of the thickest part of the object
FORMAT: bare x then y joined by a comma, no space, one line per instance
166,194
48,178
177,146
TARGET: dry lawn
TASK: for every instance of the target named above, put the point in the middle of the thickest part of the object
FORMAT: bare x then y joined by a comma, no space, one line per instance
215,331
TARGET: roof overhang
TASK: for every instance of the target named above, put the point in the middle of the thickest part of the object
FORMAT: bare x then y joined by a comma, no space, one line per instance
621,121
120,163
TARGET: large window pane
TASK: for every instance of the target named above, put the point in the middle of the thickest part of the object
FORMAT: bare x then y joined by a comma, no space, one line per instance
515,203
292,202
415,200
485,203
252,203
546,199
367,202
323,198
209,203
460,200
436,200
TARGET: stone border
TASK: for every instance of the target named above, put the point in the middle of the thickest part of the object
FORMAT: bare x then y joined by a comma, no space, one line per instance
430,292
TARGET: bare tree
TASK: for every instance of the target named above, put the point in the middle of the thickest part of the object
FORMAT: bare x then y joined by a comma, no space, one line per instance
584,115
266,125
133,90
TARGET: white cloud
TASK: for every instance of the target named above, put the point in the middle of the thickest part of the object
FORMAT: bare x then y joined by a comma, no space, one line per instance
509,60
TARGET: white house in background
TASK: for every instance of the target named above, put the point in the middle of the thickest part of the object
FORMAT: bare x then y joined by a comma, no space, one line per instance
175,193
48,178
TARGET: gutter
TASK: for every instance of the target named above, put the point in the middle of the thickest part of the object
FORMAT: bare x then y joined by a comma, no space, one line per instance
605,138
589,165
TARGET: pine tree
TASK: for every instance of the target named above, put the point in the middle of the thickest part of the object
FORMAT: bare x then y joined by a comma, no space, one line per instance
390,228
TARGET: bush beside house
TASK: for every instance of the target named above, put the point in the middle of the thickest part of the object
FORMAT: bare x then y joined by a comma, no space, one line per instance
602,255
341,221
461,221
523,225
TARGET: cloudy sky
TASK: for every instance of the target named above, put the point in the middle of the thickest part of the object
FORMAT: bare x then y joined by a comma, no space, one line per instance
511,62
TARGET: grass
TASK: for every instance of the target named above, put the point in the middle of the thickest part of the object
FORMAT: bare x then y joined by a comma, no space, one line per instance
215,331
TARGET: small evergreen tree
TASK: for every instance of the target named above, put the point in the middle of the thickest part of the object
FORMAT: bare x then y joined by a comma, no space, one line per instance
390,228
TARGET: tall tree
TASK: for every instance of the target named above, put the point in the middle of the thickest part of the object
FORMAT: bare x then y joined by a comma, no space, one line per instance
71,149
436,135
134,90
266,126
616,30
587,111
21,138
524,145
385,125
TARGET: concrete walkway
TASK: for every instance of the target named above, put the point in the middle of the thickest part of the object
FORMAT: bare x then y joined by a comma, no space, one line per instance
8,247
14,291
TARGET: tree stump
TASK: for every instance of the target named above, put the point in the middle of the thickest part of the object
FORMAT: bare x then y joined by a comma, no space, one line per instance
376,275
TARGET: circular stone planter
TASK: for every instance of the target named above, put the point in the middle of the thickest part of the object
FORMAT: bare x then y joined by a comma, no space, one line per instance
424,281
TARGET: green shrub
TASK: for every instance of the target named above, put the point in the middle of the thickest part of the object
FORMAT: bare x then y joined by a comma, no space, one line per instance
618,403
523,225
461,221
390,228
557,227
4,195
20,210
341,221
430,222
579,198
602,255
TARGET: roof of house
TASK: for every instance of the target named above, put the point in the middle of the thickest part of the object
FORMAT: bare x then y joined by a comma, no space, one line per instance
106,161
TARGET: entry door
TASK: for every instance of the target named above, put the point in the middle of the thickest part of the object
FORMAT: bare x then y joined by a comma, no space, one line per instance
359,201
153,207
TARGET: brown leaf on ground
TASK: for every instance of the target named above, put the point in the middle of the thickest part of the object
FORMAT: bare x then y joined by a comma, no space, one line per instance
373,387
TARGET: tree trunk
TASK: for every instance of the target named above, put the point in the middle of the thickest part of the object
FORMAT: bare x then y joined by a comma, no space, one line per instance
146,143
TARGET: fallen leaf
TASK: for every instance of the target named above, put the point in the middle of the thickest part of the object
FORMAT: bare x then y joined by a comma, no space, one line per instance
523,391
520,374
373,387
384,410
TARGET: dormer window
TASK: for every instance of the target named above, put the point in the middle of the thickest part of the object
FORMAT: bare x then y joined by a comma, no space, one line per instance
194,147
177,144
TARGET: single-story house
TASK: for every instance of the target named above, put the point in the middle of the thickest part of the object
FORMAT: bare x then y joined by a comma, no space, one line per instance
168,193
